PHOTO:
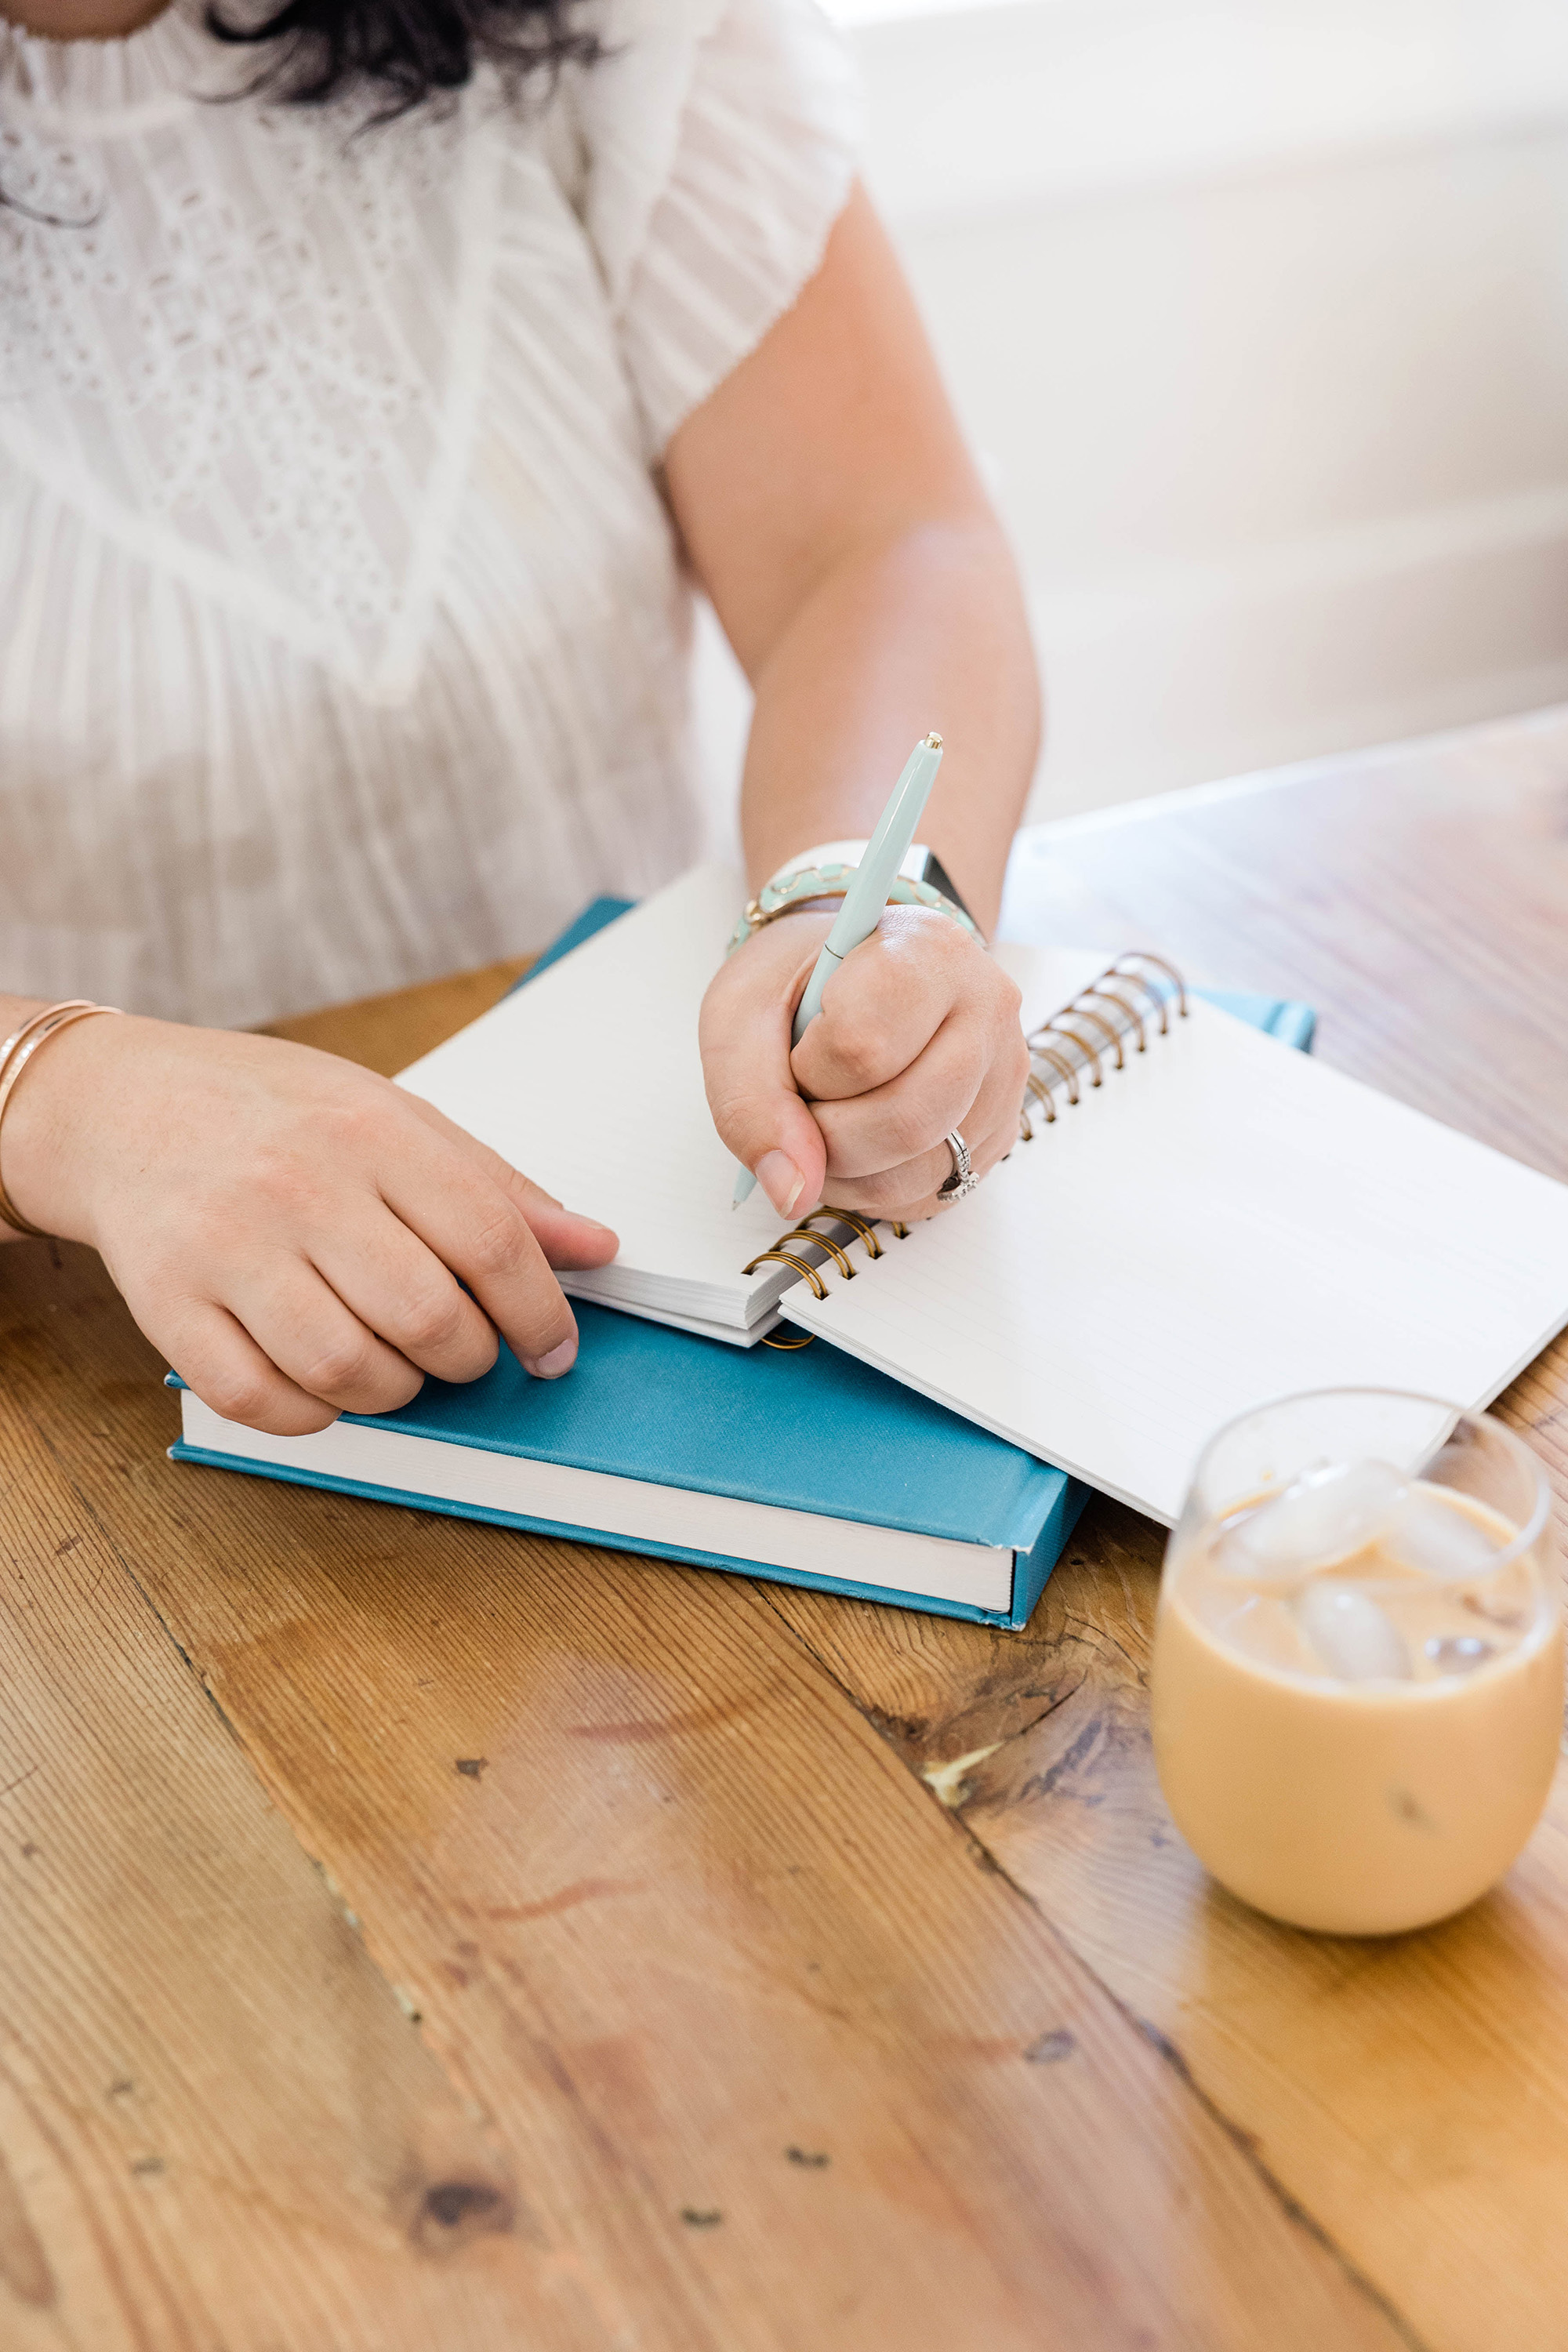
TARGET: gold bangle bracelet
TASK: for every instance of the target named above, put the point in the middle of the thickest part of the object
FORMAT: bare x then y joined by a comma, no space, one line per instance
14,1055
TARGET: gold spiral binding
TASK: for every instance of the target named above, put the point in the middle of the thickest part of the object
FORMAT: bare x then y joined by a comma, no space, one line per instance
824,1240
1110,997
1057,1061
864,1227
1079,1011
1059,1023
1142,955
1082,1030
788,1257
858,1228
1042,1094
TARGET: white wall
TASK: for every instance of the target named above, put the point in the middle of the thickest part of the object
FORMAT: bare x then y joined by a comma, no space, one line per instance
1258,311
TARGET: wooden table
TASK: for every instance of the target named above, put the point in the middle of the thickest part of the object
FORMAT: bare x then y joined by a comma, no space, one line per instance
416,1936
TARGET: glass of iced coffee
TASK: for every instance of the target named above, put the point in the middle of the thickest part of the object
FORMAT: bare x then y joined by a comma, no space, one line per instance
1358,1663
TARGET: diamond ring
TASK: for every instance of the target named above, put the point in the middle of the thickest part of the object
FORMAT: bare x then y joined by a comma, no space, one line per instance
964,1180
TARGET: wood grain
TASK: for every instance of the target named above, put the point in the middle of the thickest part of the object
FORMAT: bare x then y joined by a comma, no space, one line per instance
752,2017
787,1973
1412,2095
216,2126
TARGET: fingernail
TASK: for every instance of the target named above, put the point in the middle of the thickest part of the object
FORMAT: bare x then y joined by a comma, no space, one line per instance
560,1360
781,1180
593,1224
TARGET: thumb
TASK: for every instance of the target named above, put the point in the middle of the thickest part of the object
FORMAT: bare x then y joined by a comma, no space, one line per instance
751,1093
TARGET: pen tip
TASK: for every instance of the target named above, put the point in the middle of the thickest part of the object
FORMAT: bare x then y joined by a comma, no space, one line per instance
934,741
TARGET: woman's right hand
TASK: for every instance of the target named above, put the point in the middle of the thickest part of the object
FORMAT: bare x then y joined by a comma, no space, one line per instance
292,1231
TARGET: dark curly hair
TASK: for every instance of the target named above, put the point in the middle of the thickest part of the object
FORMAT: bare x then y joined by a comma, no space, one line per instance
398,53
395,53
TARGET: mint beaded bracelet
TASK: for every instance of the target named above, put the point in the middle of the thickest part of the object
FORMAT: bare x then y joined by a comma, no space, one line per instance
832,881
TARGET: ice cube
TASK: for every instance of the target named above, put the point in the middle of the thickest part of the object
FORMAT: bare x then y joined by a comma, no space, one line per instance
1258,1625
1327,1514
1439,1538
1460,1654
1356,1639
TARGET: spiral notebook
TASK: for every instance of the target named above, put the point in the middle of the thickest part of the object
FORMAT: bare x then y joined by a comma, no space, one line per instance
1197,1220
590,1080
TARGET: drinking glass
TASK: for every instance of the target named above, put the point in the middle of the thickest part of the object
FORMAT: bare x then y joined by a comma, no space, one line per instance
1357,1696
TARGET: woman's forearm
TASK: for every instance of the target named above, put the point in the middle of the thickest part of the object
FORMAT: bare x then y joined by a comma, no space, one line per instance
925,629
829,507
14,1010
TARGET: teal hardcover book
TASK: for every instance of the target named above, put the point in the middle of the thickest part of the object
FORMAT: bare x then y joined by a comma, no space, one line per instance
804,1465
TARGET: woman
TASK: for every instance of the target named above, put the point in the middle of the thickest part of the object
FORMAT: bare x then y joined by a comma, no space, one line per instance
359,432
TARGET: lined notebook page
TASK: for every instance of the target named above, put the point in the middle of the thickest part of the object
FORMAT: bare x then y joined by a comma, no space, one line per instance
590,1081
1222,1221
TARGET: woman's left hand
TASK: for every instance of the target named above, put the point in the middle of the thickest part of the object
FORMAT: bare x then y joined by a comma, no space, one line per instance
918,1033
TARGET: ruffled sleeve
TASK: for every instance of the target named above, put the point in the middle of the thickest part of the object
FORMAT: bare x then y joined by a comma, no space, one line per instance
719,143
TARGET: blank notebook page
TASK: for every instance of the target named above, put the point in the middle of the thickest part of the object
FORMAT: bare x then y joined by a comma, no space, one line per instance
1221,1222
589,1080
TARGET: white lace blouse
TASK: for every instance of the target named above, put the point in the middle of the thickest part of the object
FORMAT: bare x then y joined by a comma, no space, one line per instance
343,635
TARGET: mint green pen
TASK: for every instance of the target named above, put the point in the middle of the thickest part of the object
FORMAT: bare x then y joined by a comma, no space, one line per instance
867,894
